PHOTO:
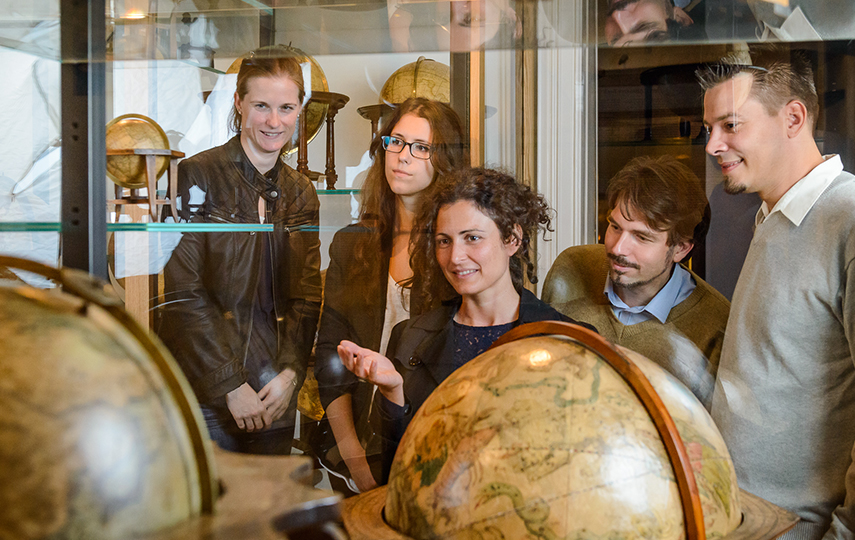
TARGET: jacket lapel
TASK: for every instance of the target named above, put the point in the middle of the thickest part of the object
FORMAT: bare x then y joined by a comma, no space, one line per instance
430,343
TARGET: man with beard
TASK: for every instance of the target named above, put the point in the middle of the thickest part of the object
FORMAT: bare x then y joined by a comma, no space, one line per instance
633,289
784,398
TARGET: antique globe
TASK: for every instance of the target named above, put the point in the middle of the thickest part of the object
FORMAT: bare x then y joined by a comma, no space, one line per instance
562,436
100,435
316,113
133,132
423,78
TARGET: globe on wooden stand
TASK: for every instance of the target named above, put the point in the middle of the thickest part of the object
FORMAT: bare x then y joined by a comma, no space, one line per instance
321,107
137,155
423,78
315,113
556,433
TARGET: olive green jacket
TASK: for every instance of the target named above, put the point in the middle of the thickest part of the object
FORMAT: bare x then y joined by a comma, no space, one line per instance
688,345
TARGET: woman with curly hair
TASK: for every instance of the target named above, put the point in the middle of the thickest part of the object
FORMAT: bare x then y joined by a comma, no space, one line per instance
473,248
364,297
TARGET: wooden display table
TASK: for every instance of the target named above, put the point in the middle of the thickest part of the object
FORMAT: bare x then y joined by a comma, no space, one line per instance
374,113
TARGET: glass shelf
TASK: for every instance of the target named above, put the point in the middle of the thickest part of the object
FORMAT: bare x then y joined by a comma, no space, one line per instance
343,191
163,227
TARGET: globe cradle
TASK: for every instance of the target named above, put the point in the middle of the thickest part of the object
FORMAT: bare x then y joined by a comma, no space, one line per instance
543,438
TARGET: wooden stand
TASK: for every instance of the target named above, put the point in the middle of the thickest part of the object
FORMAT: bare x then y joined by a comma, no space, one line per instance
139,289
153,202
374,113
335,102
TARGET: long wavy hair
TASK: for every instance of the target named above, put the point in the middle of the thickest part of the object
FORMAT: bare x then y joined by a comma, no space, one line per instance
378,210
501,198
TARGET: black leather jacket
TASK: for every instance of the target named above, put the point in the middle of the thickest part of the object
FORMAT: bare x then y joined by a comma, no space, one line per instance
211,279
354,309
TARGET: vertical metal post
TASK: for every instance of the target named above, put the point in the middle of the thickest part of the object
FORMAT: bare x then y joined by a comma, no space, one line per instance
467,98
84,149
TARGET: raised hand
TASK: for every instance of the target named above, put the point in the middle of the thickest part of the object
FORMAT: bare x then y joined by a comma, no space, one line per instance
374,368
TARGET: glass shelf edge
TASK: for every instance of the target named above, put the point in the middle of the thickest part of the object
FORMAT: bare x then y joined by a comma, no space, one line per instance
20,227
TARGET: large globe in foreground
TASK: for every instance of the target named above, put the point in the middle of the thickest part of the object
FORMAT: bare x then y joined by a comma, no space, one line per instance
96,440
556,434
542,437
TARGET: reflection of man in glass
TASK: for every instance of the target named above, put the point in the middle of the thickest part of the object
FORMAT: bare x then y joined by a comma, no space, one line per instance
456,25
630,22
475,22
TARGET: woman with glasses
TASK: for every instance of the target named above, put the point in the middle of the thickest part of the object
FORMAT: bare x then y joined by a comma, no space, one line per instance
474,250
241,307
363,295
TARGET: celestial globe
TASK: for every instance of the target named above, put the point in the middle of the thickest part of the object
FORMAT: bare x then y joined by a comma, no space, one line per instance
133,132
423,78
562,436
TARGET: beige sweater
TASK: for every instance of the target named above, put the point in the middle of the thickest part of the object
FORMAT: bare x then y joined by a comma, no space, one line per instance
688,345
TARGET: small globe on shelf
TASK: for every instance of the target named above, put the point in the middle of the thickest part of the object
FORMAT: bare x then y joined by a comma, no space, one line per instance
423,78
134,132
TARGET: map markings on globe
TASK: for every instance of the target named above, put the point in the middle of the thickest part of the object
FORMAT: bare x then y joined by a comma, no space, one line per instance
542,437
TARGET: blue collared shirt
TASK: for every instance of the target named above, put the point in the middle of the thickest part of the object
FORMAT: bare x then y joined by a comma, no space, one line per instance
678,288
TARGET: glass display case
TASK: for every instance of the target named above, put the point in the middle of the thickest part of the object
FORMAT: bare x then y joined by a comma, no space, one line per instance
105,99
169,62
536,83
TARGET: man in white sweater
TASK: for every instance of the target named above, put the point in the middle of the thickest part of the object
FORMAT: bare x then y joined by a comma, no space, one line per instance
784,398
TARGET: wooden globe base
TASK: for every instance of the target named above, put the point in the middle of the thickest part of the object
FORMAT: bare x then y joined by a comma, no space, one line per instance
761,520
363,517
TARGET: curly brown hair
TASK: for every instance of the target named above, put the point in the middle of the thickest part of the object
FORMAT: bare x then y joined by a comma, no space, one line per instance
378,208
501,198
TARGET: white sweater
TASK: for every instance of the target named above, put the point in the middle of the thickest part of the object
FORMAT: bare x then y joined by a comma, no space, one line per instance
784,398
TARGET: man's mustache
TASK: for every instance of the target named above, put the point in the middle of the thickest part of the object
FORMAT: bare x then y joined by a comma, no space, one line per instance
621,260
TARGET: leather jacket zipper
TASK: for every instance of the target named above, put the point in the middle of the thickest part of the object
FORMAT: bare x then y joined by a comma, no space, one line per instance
275,297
